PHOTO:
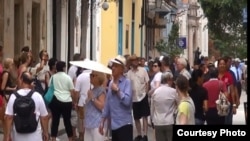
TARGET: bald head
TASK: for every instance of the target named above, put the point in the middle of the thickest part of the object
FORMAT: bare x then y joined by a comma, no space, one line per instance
26,78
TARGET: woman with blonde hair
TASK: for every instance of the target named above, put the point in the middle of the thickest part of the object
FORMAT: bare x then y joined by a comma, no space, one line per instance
94,107
7,86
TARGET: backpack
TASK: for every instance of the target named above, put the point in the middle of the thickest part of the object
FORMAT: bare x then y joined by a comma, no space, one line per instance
38,86
24,113
222,104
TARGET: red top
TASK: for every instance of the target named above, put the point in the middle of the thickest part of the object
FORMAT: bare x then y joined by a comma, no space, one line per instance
213,87
227,78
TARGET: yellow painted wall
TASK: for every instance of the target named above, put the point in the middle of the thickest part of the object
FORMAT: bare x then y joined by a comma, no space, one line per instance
137,46
127,21
109,33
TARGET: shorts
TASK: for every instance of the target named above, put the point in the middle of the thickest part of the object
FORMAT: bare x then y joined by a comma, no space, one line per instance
74,118
141,109
80,112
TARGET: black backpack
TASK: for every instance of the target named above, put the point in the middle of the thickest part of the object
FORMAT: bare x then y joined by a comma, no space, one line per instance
38,86
24,113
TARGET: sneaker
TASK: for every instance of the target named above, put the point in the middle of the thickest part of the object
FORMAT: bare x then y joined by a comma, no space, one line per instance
145,138
138,138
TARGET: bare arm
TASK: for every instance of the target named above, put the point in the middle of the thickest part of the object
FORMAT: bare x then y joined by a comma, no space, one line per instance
8,127
183,119
38,69
100,101
73,95
44,123
205,106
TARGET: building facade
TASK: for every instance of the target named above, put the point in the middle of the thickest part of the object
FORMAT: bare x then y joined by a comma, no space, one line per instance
193,27
121,29
23,23
158,24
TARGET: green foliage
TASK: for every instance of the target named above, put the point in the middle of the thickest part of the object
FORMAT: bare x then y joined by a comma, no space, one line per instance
174,49
171,48
161,46
225,23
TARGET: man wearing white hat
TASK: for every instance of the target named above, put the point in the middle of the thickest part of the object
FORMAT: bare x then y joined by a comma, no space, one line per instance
118,106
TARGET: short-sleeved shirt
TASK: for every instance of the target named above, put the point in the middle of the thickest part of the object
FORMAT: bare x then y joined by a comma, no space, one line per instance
228,80
62,86
40,110
72,72
139,79
187,108
41,74
93,115
82,85
157,78
213,87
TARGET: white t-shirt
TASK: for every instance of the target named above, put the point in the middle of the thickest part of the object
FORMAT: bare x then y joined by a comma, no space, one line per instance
41,74
40,111
139,79
82,86
157,78
72,72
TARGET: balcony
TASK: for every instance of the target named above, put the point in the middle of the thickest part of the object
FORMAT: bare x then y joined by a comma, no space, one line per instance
158,6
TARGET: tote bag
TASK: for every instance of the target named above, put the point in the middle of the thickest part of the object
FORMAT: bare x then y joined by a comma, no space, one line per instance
50,93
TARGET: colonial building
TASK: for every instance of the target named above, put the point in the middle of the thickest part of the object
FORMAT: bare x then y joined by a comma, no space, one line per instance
193,27
22,23
158,23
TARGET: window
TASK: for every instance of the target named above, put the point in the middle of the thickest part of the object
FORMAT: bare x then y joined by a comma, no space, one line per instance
127,36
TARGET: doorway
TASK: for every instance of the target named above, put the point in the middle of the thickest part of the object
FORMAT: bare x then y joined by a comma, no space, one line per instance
35,38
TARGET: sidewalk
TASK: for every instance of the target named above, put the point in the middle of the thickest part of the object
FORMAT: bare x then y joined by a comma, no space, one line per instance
239,118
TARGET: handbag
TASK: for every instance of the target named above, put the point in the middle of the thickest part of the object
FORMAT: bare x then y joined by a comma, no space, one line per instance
222,103
50,93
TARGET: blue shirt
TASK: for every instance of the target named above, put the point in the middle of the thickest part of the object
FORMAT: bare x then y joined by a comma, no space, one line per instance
119,108
93,116
235,69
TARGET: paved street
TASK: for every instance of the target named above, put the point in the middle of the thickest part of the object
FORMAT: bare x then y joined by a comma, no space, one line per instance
238,119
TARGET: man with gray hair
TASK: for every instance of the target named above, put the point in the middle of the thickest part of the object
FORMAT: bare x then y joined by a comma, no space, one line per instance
163,106
181,67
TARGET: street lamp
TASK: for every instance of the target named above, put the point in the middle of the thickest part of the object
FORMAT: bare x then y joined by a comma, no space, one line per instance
105,5
158,3
172,16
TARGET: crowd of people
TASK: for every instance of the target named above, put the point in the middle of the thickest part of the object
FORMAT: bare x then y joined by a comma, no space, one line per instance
95,106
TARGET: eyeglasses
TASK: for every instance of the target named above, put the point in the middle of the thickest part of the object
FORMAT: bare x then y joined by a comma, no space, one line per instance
93,75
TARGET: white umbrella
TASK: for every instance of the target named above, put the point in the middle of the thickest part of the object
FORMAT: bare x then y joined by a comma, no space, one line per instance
92,65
